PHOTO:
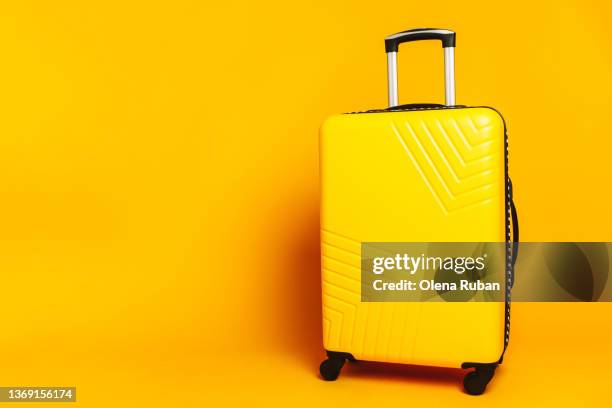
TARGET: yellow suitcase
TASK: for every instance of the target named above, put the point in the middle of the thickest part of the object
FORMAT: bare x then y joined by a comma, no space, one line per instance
413,173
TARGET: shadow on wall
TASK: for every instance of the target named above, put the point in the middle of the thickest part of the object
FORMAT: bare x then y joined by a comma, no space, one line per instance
300,313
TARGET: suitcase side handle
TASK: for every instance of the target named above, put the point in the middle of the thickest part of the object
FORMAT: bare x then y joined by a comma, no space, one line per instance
448,39
515,230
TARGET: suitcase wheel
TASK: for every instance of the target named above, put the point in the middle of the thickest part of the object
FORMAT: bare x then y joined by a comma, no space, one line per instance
475,382
330,368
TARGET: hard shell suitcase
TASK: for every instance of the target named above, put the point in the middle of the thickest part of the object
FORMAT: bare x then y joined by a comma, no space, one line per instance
413,173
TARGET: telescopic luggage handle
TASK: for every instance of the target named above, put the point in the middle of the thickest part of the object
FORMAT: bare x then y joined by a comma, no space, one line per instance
447,37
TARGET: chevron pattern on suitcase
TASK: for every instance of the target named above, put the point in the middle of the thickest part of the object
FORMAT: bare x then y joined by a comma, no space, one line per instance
453,156
341,280
366,329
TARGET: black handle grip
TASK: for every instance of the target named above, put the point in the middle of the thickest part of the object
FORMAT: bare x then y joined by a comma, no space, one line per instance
446,36
515,231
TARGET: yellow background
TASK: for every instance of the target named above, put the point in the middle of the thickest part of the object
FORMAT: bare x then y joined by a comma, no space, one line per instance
159,193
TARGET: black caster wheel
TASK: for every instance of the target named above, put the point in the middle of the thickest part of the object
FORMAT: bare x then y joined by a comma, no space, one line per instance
475,382
330,368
